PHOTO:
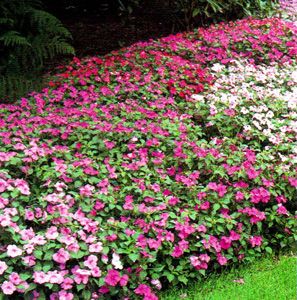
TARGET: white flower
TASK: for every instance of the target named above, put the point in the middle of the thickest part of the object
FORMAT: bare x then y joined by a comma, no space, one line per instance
116,262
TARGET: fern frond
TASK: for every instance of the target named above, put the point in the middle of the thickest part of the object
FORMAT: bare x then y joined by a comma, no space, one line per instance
6,21
13,38
48,23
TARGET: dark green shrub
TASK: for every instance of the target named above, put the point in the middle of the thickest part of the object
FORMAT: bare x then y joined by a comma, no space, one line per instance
29,36
217,10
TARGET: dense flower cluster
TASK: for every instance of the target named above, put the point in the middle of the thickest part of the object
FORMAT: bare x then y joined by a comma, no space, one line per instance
152,165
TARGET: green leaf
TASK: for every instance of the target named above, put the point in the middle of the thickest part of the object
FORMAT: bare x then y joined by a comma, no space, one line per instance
133,256
269,250
38,254
86,294
182,279
170,276
216,206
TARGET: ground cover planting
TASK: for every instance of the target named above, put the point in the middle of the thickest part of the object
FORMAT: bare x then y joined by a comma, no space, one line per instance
151,166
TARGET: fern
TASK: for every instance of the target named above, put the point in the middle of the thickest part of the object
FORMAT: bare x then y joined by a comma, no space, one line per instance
29,37
13,38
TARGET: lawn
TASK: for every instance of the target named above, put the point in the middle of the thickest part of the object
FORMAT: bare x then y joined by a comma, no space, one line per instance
269,278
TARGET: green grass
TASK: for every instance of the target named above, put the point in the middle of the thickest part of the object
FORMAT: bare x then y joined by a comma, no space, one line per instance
266,279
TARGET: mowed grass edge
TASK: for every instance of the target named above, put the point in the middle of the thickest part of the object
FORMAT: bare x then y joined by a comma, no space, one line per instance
269,278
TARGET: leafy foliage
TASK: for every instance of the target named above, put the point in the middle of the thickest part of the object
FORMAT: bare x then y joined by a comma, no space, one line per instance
29,36
218,10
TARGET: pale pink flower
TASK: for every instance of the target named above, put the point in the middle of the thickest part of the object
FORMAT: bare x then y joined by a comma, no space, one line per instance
8,288
62,256
3,267
91,262
15,278
13,251
96,248
40,277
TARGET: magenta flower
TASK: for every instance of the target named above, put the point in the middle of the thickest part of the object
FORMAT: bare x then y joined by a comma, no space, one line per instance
112,278
256,241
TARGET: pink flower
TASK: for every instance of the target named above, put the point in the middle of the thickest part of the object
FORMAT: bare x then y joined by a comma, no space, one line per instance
29,260
86,191
13,251
111,237
201,228
96,272
142,289
109,145
81,276
256,241
124,280
3,267
67,283
62,256
260,195
8,288
91,261
156,283
22,186
112,278
104,290
15,278
225,242
55,277
52,233
96,248
281,210
222,260
234,236
177,252
63,295
205,205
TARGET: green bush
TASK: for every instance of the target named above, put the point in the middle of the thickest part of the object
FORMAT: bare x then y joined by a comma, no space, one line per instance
29,36
218,10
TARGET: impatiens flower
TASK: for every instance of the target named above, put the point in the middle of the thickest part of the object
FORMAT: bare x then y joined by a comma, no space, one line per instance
29,260
62,256
156,283
225,242
116,262
67,283
91,262
281,210
22,185
112,278
260,195
15,278
3,267
8,288
177,252
63,295
52,233
205,205
256,241
13,251
222,260
124,280
142,289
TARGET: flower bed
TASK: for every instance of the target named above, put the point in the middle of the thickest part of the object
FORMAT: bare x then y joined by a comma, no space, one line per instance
152,165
